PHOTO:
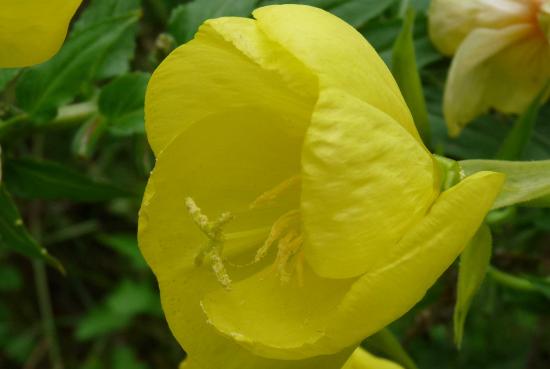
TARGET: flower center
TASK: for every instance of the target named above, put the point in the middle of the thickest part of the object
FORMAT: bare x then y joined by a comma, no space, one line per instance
285,233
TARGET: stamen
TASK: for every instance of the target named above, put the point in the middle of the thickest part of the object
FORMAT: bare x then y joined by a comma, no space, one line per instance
275,192
212,251
281,225
289,245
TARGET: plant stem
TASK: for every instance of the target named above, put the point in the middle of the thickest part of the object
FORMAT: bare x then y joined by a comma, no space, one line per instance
41,276
511,281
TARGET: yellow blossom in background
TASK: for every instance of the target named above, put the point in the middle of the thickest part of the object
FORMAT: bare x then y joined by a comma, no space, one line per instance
32,31
501,54
293,209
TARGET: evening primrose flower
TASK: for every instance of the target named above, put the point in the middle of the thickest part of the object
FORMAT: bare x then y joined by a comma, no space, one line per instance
501,54
293,209
32,31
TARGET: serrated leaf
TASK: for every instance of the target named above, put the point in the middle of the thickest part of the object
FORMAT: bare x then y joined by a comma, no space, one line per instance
121,103
15,237
525,181
186,18
474,261
29,178
405,71
43,88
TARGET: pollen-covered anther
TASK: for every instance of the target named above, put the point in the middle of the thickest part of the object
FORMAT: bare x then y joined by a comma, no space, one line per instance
288,247
212,251
281,226
287,234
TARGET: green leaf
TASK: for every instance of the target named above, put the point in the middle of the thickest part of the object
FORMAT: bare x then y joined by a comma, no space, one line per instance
34,179
525,181
43,88
359,12
10,278
524,283
127,246
121,102
405,71
124,357
186,18
386,342
15,237
515,143
100,321
117,59
118,309
131,298
474,261
6,75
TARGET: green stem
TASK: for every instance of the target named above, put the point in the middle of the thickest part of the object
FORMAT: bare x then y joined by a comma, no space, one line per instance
41,276
75,113
511,281
388,343
46,312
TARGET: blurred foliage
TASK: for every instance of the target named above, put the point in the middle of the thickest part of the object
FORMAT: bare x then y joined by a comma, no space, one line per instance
76,160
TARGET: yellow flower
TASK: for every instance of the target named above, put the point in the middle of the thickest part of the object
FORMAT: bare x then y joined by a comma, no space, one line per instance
293,209
360,359
501,55
32,31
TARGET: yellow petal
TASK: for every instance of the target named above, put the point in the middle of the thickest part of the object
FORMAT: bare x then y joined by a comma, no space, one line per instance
450,21
401,279
323,316
229,65
338,55
32,31
221,171
365,183
484,68
362,359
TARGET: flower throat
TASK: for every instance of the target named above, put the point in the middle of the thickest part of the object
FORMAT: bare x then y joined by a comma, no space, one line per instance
285,232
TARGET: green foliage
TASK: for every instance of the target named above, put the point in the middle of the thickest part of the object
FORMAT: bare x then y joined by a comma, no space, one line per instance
405,71
14,236
41,179
186,18
75,160
44,88
473,265
121,103
525,181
